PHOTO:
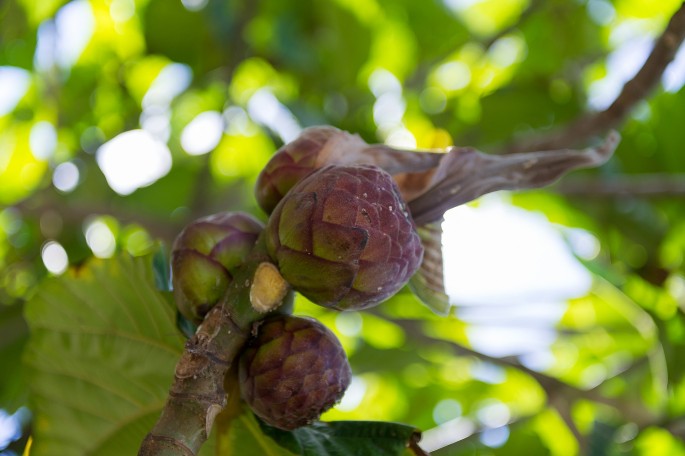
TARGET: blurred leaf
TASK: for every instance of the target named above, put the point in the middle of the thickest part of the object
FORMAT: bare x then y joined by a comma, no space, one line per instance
241,155
555,433
659,442
346,437
243,435
182,35
381,333
601,439
162,270
100,358
20,171
39,11
13,337
16,30
141,74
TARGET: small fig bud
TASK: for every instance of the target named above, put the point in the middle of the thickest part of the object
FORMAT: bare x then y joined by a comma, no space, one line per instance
203,256
343,237
292,371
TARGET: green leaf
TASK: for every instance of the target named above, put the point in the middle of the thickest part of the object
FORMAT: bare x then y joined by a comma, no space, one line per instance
13,336
100,358
160,264
341,438
243,435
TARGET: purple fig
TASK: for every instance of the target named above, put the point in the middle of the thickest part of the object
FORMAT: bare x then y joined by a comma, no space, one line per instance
290,164
203,257
292,371
343,237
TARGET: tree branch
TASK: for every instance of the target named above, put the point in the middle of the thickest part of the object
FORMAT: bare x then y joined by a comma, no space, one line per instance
552,386
75,213
197,394
634,91
642,185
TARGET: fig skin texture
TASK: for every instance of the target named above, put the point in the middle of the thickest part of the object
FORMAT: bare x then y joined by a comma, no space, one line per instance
292,371
203,257
344,238
291,163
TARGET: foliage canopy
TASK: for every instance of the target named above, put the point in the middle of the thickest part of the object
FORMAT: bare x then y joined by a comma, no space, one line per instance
123,120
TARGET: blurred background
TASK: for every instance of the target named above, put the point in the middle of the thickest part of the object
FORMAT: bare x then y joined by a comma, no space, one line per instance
123,120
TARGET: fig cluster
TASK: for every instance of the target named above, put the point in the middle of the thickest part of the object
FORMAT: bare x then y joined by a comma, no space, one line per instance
338,233
293,369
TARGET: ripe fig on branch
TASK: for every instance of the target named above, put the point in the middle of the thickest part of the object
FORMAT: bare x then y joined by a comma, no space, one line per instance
290,164
292,371
204,255
343,237
320,146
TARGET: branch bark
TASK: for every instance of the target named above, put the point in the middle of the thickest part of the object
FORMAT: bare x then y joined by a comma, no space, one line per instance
197,394
633,91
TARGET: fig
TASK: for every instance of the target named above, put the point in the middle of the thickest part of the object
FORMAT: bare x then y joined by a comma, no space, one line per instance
203,256
292,371
344,238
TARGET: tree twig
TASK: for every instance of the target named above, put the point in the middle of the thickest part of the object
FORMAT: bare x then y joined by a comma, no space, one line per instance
76,212
633,91
552,386
642,185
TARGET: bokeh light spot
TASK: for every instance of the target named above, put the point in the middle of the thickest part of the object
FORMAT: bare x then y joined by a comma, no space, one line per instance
100,239
495,438
353,395
132,160
348,324
14,82
54,257
66,177
203,133
445,410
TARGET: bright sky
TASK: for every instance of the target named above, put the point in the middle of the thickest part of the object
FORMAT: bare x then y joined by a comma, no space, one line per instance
508,272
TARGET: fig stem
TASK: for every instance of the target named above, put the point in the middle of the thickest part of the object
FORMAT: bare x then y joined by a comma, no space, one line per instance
197,393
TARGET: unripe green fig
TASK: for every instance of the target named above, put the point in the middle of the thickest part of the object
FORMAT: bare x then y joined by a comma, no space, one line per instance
343,237
203,256
292,371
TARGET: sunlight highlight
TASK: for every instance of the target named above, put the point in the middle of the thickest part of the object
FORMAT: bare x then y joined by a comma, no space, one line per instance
349,323
66,176
43,140
14,82
265,109
674,76
353,395
509,273
203,133
54,257
100,239
62,40
132,160
498,253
